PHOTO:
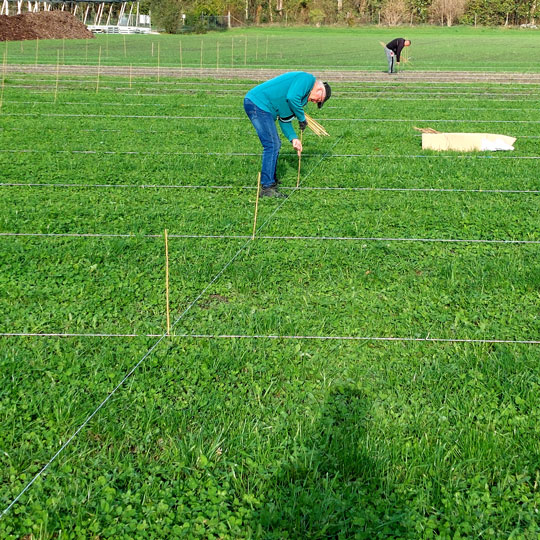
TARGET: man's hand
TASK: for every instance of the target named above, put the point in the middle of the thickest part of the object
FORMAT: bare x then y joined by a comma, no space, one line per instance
302,124
297,145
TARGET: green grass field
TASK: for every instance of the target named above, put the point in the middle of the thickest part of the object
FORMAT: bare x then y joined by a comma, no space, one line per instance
456,48
367,367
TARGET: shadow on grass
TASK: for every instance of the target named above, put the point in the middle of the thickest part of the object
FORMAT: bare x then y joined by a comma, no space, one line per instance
333,486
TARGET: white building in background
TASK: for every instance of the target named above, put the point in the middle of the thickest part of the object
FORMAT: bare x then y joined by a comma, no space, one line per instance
112,16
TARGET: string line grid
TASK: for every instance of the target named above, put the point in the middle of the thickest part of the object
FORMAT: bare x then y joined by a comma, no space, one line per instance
231,106
242,118
276,337
398,96
162,337
301,188
289,238
423,82
147,354
256,154
489,73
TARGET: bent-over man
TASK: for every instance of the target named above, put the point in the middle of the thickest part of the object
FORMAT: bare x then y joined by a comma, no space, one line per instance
393,52
282,98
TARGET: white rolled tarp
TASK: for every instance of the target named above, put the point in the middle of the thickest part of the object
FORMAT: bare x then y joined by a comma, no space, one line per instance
467,142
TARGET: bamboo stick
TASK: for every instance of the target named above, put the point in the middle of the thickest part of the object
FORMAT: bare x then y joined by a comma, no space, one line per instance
316,127
98,70
4,67
299,161
256,206
57,71
167,282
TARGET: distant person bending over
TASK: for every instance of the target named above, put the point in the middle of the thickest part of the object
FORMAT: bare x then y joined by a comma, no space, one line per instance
281,98
393,52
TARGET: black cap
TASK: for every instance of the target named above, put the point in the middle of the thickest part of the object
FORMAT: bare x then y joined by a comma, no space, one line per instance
327,95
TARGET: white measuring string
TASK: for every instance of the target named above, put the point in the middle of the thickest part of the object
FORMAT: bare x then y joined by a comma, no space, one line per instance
301,188
186,117
246,154
496,88
163,336
78,430
375,97
276,237
368,95
278,337
340,85
468,73
235,107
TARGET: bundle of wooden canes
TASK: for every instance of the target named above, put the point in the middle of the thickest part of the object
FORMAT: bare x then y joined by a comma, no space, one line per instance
316,127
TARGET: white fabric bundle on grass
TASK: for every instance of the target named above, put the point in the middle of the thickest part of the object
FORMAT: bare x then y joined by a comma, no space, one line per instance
467,142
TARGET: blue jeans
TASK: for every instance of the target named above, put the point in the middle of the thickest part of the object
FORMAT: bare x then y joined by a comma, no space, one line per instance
390,58
265,126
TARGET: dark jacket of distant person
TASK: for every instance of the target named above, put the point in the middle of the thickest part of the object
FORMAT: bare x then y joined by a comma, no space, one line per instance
396,46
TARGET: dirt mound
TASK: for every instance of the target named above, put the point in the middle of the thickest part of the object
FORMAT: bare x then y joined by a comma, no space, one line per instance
42,25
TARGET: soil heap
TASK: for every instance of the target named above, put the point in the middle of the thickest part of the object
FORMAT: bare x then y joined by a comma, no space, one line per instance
42,25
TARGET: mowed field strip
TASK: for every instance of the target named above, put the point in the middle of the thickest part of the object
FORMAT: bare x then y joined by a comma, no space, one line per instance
367,365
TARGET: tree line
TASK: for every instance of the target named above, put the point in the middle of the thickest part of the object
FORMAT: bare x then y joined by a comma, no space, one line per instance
173,14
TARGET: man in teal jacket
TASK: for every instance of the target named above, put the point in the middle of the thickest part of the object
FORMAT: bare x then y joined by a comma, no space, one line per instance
281,98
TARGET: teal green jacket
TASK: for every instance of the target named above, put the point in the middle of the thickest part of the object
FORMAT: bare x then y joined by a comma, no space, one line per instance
284,97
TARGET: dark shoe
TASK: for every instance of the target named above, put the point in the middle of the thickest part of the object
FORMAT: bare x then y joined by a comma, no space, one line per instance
272,191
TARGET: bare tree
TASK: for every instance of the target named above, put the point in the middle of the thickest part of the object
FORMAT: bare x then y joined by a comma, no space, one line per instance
394,12
447,10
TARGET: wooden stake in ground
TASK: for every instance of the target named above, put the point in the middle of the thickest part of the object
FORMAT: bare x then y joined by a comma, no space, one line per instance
201,51
181,59
299,161
98,70
57,71
4,67
158,62
37,51
256,206
167,282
